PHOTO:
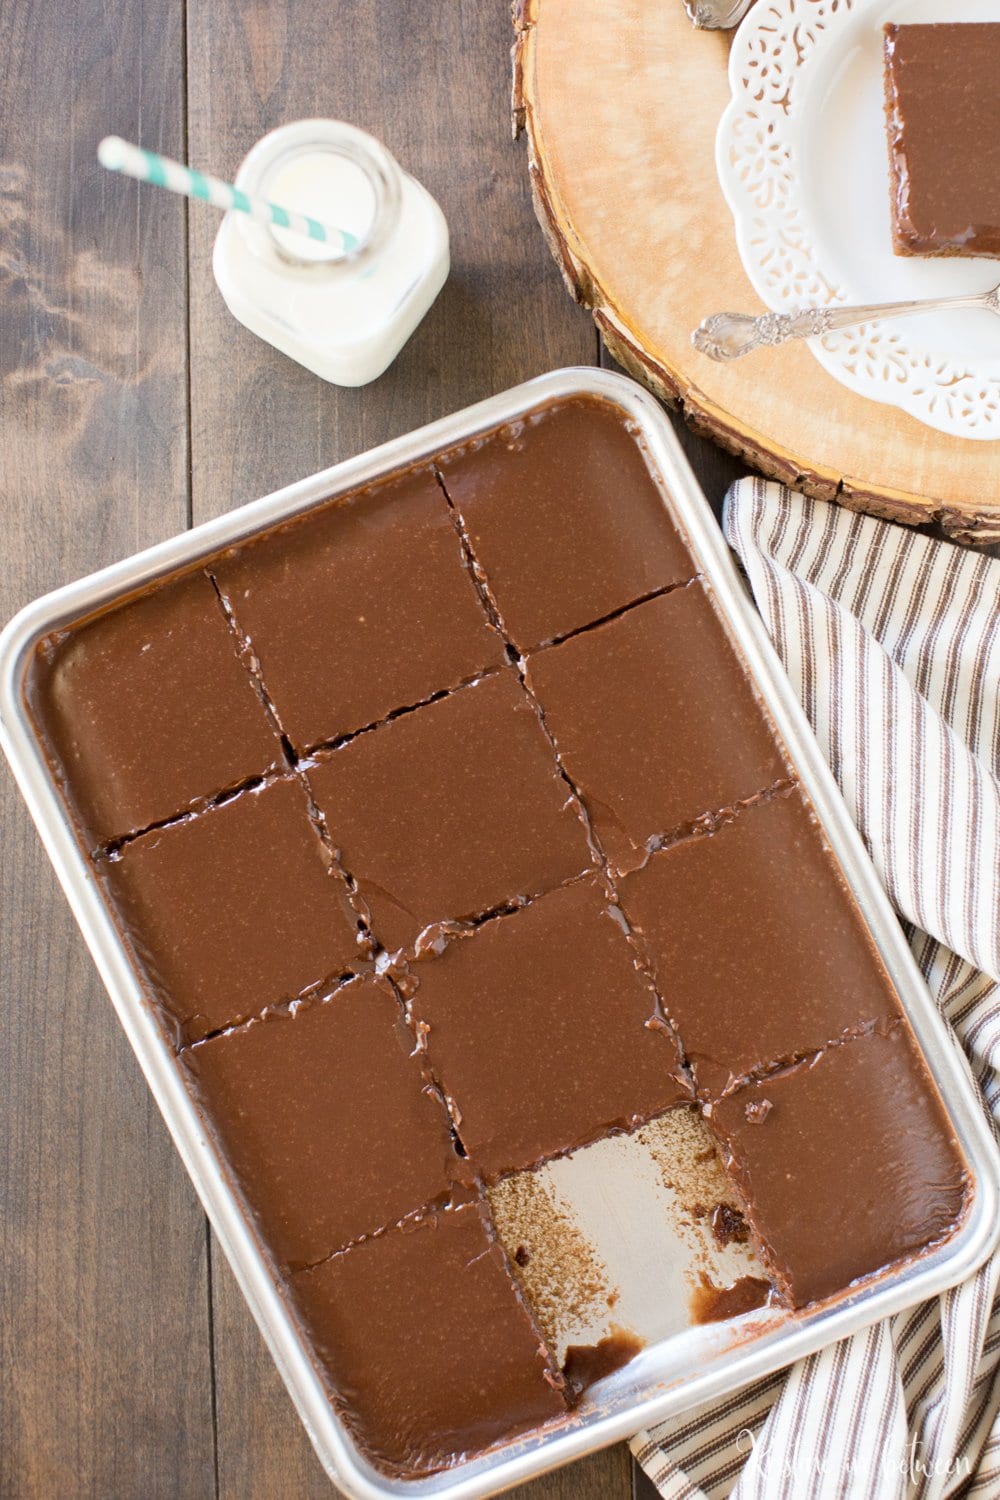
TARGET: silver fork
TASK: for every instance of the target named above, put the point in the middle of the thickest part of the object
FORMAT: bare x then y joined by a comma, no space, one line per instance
717,15
729,335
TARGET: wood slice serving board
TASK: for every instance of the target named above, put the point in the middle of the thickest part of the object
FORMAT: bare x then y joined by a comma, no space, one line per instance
620,103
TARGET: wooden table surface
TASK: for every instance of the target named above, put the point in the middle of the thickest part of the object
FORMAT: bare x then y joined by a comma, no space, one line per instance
132,406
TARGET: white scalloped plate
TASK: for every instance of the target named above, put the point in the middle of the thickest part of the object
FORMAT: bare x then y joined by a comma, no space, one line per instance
803,162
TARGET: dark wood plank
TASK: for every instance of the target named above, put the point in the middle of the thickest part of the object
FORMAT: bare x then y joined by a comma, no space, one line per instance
433,83
105,1376
440,103
105,1380
602,1476
642,1488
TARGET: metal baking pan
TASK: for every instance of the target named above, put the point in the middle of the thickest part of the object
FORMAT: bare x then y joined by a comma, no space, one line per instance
675,1372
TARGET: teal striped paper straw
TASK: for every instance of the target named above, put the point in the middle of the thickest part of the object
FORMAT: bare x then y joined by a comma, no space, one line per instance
146,166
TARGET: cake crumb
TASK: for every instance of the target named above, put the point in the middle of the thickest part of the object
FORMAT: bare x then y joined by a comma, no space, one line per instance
563,1278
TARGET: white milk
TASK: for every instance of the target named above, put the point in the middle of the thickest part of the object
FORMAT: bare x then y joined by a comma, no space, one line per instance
324,180
345,317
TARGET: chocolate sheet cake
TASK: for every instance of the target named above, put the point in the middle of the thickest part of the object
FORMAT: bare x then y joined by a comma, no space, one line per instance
448,835
942,107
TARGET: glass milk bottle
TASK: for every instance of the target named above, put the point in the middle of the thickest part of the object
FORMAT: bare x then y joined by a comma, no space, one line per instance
344,316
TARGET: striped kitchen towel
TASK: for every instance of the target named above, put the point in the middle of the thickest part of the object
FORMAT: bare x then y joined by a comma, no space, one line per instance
893,643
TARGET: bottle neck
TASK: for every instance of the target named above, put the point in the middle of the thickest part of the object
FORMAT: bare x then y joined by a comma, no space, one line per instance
334,173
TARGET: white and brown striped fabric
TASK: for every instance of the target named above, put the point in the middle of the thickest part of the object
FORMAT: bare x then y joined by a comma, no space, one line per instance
893,642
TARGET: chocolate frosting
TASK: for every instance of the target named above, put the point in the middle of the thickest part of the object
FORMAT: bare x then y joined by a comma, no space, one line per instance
429,1349
326,1119
942,104
234,910
359,608
451,810
758,948
564,517
519,1013
851,1168
655,720
146,709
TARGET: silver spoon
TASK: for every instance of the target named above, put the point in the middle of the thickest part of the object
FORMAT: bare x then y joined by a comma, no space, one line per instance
717,15
731,335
